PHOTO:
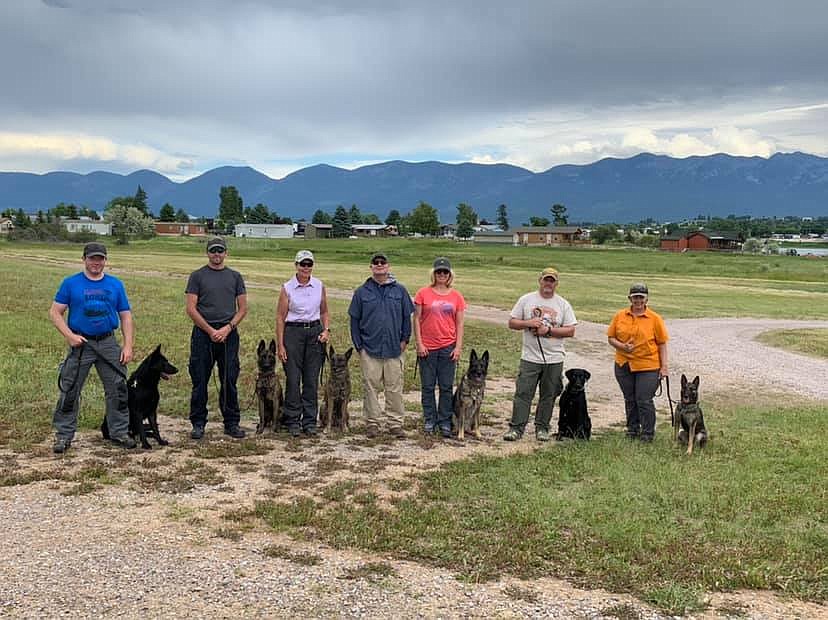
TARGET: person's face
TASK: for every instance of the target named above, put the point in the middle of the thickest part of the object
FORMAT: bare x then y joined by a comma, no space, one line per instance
94,265
548,286
441,276
638,301
304,268
216,256
379,267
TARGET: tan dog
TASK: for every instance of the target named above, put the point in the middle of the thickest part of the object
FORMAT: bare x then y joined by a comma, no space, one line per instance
334,412
268,389
468,397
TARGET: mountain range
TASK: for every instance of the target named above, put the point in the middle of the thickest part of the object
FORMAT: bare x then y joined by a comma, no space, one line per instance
609,190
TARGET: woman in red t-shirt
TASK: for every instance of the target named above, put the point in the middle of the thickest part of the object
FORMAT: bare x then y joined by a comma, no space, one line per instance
438,328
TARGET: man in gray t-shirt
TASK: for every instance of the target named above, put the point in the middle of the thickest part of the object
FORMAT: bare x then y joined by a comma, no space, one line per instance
545,319
216,303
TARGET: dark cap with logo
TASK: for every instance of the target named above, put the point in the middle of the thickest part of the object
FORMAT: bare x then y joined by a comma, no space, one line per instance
639,288
216,242
441,262
377,255
94,248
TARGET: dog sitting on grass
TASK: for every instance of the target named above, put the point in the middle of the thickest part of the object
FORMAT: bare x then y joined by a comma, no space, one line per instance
334,412
268,389
689,416
468,397
574,421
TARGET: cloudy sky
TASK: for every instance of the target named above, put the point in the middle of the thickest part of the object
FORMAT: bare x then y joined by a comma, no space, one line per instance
182,87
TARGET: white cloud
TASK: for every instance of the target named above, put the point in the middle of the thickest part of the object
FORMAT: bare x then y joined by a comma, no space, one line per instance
67,148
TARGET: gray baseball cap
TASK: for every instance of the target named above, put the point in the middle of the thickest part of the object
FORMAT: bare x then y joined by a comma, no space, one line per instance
93,248
216,242
639,288
304,255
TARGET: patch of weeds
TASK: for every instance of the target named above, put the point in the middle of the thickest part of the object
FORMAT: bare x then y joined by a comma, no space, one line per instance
302,458
677,599
399,485
246,468
301,558
13,478
229,534
329,464
367,498
368,466
732,610
519,593
230,449
622,611
339,491
293,446
426,442
282,516
97,472
240,515
180,512
371,571
85,487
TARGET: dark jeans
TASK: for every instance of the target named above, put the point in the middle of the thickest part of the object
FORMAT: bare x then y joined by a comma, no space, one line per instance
305,356
530,376
437,368
204,354
639,389
105,355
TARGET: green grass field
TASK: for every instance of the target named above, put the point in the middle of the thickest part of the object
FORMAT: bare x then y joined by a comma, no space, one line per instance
812,342
749,512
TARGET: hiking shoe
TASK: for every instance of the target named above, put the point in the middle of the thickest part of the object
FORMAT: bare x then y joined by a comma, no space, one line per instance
310,432
445,433
197,432
61,445
397,432
512,435
428,429
295,432
125,441
542,435
371,432
235,432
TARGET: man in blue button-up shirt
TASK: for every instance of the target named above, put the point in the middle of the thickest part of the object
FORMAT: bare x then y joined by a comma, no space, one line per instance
380,314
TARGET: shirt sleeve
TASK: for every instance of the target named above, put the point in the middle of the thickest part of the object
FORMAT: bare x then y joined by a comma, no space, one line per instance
407,309
517,309
568,317
62,296
240,289
192,284
122,302
461,302
613,326
355,312
661,335
419,298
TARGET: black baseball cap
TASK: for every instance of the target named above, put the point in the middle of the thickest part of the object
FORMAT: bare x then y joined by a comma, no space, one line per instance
441,262
93,248
639,288
377,255
216,242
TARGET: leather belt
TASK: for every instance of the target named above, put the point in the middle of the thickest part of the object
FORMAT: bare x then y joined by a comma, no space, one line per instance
97,338
306,325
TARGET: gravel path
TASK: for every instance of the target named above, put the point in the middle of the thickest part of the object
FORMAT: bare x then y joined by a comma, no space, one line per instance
126,552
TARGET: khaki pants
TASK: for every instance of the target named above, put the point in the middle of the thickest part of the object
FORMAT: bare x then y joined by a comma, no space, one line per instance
382,374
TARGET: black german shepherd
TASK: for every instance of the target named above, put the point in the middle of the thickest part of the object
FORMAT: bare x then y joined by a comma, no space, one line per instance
334,412
574,421
142,390
468,397
689,415
268,389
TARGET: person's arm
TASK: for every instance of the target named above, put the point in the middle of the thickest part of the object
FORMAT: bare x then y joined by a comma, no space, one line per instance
566,331
56,315
354,314
418,338
128,328
521,324
407,310
325,318
662,356
282,307
459,322
197,319
624,347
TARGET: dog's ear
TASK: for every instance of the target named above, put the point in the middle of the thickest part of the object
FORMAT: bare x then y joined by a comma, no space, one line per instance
272,346
568,374
157,350
348,354
586,375
696,381
485,359
683,380
473,356
261,346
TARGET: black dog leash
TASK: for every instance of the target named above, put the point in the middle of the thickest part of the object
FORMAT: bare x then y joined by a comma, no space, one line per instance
670,401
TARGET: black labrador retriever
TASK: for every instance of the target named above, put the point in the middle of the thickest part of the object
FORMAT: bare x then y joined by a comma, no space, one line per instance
142,390
574,421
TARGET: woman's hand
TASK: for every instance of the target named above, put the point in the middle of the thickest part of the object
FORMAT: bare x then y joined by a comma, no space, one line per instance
455,354
282,353
421,351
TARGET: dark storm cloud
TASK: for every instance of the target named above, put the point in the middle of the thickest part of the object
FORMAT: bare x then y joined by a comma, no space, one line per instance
308,79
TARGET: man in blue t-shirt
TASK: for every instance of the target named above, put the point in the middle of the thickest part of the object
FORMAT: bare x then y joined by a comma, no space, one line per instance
97,303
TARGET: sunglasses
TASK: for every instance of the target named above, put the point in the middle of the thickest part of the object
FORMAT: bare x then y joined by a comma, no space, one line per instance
379,261
216,251
306,263
442,272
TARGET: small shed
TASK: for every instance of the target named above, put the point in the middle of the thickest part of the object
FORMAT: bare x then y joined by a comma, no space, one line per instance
167,229
264,231
549,235
318,231
98,227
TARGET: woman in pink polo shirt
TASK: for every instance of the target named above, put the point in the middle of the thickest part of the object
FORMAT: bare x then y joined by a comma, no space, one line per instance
438,329
302,330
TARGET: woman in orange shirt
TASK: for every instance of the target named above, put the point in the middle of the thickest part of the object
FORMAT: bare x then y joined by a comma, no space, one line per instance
639,337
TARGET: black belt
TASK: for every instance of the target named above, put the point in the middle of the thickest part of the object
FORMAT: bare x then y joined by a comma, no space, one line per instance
306,325
97,338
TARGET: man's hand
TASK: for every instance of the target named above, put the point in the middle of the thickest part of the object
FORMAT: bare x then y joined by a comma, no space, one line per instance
534,324
220,335
403,345
325,336
126,355
282,353
75,340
